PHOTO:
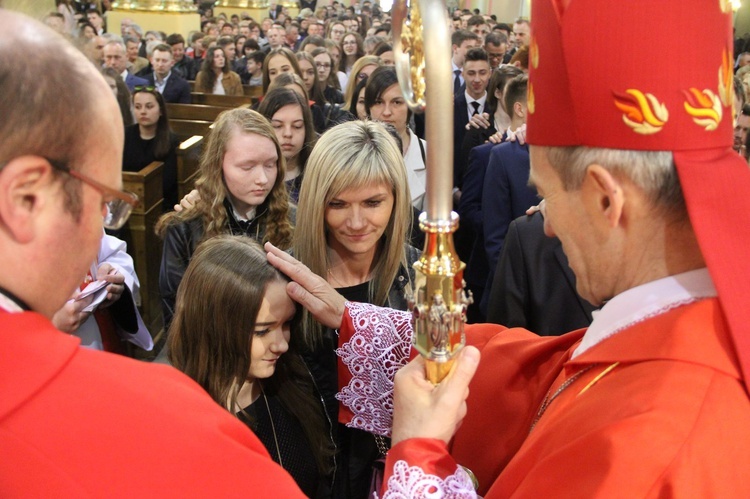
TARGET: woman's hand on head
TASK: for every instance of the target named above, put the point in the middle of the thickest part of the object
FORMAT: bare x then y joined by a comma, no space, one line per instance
187,202
308,289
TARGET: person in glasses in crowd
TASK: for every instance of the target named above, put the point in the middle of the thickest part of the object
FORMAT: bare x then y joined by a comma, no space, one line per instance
327,77
352,48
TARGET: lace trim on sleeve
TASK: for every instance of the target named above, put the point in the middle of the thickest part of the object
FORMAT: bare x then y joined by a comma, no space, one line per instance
411,482
379,347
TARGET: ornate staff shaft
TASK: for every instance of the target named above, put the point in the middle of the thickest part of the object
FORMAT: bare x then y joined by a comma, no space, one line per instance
439,304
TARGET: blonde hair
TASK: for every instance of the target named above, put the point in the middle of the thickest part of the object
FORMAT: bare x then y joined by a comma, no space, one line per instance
349,156
368,60
213,191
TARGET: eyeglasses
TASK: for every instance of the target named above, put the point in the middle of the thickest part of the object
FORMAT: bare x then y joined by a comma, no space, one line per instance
142,88
119,203
322,65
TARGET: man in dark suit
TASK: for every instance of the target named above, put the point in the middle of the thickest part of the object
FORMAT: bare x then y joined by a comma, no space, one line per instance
470,100
470,211
168,83
506,194
115,58
461,42
533,286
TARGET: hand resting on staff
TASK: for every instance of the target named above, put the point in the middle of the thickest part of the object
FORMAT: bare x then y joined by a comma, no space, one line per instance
424,410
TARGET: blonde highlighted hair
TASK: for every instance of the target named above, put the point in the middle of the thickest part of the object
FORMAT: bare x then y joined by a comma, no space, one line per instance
368,60
353,155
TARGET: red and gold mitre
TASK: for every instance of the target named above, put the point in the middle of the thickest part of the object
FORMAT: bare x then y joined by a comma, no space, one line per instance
653,75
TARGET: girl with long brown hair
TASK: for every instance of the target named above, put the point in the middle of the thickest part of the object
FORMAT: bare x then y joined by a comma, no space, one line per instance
216,77
234,333
241,189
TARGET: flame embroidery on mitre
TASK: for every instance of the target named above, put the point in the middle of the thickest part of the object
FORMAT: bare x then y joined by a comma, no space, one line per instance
726,80
643,112
530,104
726,6
704,107
534,53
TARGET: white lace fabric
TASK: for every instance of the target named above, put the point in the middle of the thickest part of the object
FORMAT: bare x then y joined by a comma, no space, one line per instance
379,347
411,482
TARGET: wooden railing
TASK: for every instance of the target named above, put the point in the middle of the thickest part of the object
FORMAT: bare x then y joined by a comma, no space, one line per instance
188,160
143,244
227,101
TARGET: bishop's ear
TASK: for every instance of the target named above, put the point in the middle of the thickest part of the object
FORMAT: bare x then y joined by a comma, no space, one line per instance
604,192
26,184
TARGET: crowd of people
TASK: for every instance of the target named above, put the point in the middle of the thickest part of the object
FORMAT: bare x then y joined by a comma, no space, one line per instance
286,274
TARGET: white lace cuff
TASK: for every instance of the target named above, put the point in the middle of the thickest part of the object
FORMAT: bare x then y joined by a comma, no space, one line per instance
413,483
378,348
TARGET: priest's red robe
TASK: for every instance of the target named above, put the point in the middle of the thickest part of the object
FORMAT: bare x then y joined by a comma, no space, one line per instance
657,410
81,423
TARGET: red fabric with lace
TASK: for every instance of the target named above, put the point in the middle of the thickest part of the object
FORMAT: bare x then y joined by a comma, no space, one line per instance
635,431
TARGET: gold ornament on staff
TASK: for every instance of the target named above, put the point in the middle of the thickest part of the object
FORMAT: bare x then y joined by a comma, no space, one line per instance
421,45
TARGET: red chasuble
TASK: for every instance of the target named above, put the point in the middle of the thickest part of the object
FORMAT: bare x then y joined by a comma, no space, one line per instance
80,423
659,409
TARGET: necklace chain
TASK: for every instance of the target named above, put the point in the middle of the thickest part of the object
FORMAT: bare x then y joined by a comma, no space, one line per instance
273,427
549,398
330,273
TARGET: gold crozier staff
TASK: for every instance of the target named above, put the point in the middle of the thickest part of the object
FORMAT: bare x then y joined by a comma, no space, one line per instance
439,306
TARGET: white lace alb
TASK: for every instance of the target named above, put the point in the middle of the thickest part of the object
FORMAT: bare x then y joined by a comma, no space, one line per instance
413,483
379,347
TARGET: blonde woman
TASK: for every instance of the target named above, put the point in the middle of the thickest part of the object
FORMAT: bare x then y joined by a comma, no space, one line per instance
241,191
354,215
